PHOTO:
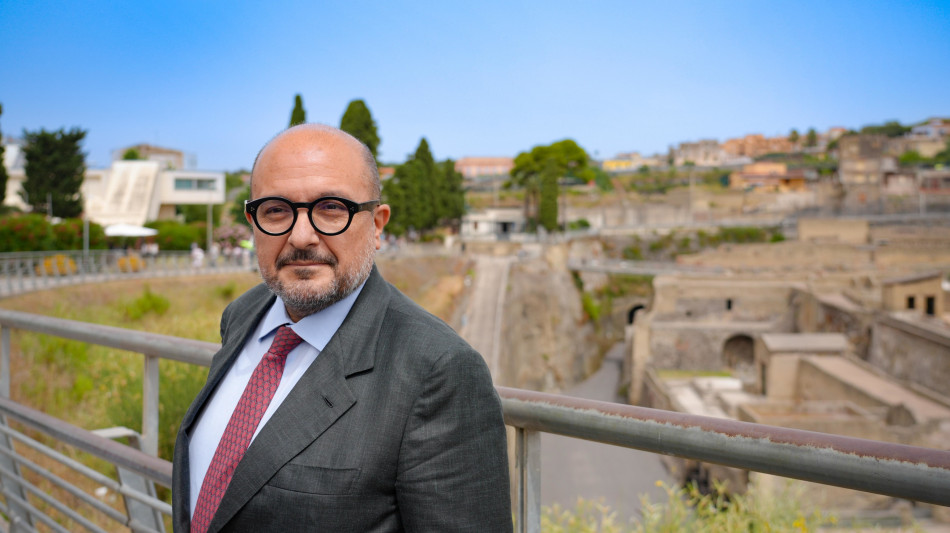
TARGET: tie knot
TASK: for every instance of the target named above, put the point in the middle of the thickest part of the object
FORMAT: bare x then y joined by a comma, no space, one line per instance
285,341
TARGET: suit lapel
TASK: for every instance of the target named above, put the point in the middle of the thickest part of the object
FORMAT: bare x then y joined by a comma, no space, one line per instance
320,398
238,329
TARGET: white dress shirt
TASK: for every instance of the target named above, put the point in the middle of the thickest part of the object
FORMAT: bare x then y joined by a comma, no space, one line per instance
315,330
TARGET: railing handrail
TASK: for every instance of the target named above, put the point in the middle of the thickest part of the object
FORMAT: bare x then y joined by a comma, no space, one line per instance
898,470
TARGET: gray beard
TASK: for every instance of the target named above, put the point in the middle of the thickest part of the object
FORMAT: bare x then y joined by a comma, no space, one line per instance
303,301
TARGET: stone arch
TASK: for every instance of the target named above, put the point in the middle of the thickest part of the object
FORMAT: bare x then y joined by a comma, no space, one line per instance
631,315
738,355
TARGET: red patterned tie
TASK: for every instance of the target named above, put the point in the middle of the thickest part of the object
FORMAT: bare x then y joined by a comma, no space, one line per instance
237,436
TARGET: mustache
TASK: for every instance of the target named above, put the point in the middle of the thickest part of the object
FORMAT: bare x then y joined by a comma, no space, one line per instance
309,256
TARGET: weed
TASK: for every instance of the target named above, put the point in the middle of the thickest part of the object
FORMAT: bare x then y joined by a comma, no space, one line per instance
148,302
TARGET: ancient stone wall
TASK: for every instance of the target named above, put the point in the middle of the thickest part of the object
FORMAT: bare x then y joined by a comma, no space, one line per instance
912,352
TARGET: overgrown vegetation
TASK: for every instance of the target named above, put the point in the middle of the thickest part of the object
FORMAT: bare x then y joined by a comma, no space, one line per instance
686,509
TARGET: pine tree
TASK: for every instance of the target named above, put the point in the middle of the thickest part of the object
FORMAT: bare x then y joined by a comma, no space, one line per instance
3,169
358,122
55,168
298,115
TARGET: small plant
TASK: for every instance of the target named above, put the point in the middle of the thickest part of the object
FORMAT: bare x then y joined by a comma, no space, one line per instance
226,292
149,302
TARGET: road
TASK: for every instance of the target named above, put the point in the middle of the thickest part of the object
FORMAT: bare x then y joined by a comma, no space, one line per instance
481,325
572,468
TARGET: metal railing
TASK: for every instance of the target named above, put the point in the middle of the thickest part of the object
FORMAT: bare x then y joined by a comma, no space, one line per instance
910,472
28,271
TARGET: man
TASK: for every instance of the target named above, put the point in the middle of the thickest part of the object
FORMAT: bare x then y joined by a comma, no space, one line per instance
363,412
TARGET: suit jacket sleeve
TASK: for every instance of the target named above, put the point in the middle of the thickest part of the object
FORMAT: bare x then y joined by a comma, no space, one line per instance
453,468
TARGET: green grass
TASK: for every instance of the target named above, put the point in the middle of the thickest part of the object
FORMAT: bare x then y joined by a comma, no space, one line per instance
96,387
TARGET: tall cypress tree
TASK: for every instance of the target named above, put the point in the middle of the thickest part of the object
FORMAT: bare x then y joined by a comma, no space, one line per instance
298,115
55,168
3,169
358,122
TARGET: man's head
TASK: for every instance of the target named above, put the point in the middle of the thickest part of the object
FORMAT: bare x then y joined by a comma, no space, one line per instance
308,270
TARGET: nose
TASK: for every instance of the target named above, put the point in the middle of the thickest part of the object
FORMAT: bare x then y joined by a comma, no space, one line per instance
302,234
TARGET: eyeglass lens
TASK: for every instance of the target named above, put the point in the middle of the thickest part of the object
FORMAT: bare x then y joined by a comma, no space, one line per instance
276,216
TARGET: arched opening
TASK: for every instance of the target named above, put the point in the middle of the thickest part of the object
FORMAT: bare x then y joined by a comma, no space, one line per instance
738,355
631,316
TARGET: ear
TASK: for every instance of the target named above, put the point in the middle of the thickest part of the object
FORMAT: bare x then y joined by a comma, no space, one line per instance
380,218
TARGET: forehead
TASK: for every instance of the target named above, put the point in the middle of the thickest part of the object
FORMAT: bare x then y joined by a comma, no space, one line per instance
308,164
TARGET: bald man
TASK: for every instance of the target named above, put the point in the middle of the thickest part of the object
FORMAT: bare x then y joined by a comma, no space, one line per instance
336,403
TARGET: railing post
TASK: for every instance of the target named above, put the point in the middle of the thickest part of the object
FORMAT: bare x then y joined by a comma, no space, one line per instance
528,480
150,405
11,487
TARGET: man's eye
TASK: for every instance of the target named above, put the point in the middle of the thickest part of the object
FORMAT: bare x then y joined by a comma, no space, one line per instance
329,207
275,210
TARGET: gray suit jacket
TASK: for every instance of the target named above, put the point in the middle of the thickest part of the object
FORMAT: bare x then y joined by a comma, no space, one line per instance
395,427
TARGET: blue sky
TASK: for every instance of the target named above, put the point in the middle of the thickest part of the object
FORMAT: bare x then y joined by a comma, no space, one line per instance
487,78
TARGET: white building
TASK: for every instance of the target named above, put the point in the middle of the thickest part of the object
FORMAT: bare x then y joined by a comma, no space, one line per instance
128,192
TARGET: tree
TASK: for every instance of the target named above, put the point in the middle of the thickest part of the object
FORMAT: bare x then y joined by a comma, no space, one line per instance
533,171
811,138
891,128
3,169
424,194
793,136
358,122
298,115
55,168
131,155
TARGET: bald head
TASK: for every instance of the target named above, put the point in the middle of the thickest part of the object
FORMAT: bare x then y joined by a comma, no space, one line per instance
320,137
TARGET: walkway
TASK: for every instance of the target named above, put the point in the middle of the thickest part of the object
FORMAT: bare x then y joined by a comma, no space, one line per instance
612,475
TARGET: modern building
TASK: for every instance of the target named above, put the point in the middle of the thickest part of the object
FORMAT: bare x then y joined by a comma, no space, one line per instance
130,192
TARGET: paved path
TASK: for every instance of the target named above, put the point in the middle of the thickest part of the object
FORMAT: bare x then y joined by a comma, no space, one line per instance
601,472
481,325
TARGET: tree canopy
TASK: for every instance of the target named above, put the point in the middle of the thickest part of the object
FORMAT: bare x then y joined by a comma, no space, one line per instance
298,115
538,170
811,138
131,155
358,122
793,136
3,169
424,194
891,128
55,168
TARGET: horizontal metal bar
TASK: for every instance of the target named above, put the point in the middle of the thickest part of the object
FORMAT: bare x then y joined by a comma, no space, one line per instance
166,346
64,485
56,504
151,467
34,512
82,469
910,472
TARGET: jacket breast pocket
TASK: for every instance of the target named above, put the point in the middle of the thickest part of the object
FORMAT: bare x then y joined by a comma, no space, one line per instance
316,479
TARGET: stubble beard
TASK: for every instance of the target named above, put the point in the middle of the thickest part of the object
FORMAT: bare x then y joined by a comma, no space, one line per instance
300,298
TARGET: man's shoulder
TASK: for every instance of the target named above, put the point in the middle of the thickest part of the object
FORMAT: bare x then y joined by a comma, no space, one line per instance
255,295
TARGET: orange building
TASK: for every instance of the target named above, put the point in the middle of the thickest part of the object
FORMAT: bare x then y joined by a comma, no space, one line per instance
771,177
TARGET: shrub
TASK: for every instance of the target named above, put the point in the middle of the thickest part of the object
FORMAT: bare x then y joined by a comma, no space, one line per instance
131,263
67,235
26,233
591,307
173,235
633,252
149,302
56,265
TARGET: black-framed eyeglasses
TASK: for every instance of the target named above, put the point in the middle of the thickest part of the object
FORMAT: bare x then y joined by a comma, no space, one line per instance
328,215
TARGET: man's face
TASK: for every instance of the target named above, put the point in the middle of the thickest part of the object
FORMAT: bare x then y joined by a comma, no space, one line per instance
310,271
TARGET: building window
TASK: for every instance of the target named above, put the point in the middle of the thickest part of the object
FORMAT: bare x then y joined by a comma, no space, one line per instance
911,304
729,304
931,305
194,184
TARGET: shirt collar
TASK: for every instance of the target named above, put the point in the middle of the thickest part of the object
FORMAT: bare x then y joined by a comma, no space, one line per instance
316,329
